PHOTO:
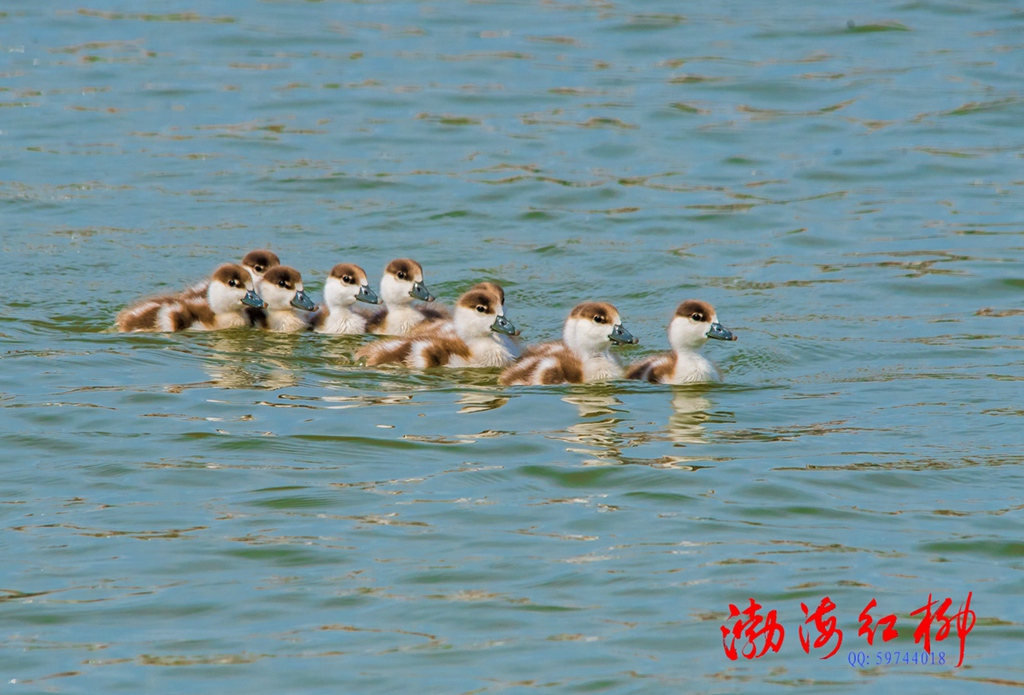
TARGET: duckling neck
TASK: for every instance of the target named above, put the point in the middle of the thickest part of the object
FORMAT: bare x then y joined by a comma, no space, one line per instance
402,318
491,350
341,319
285,320
693,366
601,365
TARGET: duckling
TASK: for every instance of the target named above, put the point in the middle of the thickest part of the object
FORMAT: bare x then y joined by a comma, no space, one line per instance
256,262
471,339
228,295
401,283
691,326
582,355
345,285
282,291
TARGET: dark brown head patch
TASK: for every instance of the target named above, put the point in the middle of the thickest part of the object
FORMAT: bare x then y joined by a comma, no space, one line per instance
696,310
260,260
492,287
405,269
232,275
349,274
283,276
598,312
485,297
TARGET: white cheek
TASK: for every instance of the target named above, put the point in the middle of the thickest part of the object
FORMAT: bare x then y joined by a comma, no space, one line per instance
597,332
393,290
686,333
333,293
484,321
278,297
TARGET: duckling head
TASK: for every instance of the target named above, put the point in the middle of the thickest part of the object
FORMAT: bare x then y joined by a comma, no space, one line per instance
346,285
593,326
402,282
693,324
282,289
259,262
230,288
481,310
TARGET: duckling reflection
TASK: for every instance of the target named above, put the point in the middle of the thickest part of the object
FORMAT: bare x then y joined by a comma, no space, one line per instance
689,413
480,401
340,350
241,361
598,437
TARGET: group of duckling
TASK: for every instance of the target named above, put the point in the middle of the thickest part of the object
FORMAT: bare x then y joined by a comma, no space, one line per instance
260,292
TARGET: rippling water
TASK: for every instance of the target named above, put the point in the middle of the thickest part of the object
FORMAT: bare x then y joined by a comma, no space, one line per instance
219,512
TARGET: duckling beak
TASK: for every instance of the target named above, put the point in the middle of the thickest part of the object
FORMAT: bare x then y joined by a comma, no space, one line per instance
503,325
253,299
419,291
620,336
367,295
718,332
301,301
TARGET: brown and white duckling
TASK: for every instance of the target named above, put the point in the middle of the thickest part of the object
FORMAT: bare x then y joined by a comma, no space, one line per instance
256,262
581,356
229,293
286,302
472,338
693,324
345,285
401,283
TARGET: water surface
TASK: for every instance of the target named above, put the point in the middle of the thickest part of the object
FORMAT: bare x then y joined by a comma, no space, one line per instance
237,511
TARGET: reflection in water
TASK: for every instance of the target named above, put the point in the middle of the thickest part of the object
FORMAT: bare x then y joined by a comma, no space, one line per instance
686,424
234,363
598,437
480,401
345,402
340,349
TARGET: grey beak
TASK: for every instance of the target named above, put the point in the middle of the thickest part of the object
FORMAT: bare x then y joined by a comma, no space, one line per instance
621,336
253,299
718,332
419,291
367,295
503,325
301,301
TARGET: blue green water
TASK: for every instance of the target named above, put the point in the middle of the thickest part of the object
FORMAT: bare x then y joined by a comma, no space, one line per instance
230,512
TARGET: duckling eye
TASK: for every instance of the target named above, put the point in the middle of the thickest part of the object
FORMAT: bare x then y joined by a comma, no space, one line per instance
402,275
697,316
600,319
347,279
282,283
481,308
232,283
